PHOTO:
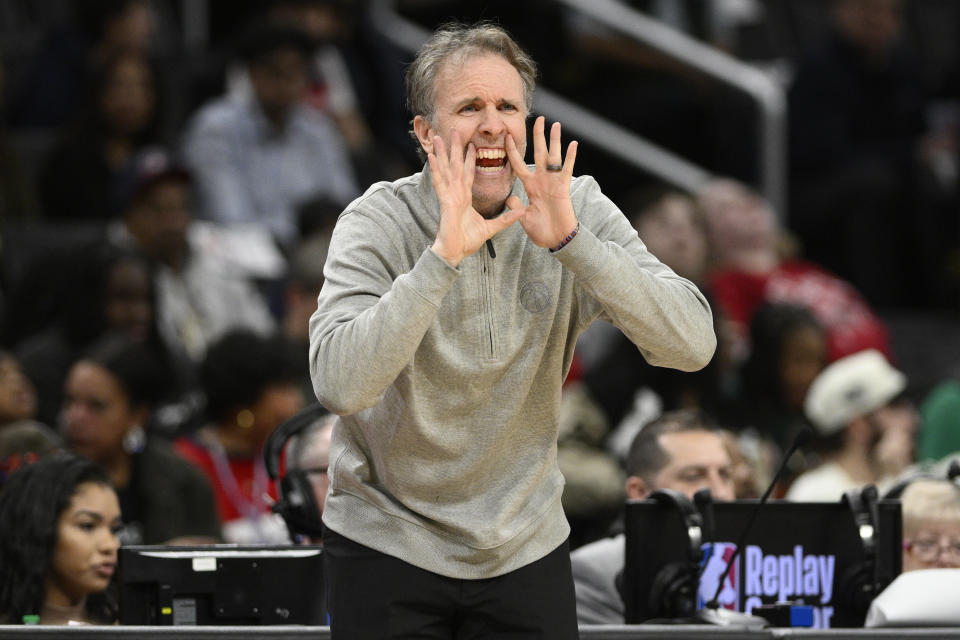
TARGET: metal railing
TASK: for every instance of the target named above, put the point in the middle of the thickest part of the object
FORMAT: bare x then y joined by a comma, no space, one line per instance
766,92
622,143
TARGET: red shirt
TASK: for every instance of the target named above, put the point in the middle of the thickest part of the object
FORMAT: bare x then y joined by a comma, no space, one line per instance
850,324
243,471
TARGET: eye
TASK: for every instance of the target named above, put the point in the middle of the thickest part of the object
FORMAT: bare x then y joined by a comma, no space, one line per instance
925,545
508,107
87,526
469,108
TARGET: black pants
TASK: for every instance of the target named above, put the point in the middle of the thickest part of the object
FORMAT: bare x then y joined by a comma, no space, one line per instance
371,595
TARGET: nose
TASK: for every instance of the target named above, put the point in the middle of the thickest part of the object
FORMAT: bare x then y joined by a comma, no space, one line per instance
492,123
141,312
109,543
73,416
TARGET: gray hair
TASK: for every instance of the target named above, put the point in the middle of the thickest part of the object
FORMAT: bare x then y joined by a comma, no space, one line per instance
457,42
928,501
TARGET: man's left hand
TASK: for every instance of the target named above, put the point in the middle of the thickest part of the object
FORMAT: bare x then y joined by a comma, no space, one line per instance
549,218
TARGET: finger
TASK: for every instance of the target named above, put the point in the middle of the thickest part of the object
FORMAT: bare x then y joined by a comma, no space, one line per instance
513,202
470,158
555,154
469,165
434,163
456,149
440,151
570,159
438,170
516,160
504,220
539,144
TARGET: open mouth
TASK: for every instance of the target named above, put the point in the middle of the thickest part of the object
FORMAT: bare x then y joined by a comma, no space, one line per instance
490,160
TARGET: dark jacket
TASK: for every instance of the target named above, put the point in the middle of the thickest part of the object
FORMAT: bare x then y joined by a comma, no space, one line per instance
176,499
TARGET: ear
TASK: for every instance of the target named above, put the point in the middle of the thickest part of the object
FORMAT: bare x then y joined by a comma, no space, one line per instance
425,133
637,488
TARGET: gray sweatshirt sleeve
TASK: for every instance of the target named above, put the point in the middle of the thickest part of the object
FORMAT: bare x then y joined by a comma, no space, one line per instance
370,319
665,315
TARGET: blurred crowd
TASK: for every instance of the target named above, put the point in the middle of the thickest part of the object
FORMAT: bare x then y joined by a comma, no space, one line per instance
166,204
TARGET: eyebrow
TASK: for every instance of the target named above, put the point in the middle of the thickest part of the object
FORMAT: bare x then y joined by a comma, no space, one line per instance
692,467
701,467
471,100
89,514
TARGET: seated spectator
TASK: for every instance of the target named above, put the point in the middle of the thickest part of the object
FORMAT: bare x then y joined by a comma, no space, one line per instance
18,398
109,290
864,426
251,385
58,543
788,350
333,78
24,443
931,524
22,439
256,158
81,175
201,293
749,268
309,453
58,78
680,450
110,393
672,226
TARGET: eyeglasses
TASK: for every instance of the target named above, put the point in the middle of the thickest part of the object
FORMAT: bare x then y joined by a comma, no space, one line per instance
929,549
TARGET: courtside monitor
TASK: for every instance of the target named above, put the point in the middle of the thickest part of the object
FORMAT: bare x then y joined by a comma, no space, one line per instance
820,554
221,585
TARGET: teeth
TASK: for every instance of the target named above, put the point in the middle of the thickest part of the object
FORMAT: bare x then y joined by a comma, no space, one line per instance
493,154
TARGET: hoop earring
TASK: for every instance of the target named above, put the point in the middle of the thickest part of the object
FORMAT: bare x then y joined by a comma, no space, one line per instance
134,440
245,418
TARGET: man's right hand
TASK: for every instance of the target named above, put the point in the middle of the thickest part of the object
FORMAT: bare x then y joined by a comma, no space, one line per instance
462,230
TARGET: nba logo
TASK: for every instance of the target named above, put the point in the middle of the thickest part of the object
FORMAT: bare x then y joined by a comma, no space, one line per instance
716,555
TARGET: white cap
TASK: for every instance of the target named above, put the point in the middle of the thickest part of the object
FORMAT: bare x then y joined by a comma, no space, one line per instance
851,387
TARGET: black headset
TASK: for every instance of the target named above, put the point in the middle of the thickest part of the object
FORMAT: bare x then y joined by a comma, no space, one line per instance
673,593
296,503
896,491
860,583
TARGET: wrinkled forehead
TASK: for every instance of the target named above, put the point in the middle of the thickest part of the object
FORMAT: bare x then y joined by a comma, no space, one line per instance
471,64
